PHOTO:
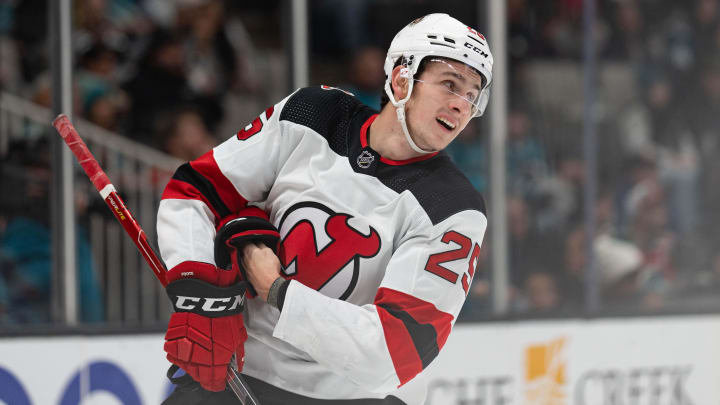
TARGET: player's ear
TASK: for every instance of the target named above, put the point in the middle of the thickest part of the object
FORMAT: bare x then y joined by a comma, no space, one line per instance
399,82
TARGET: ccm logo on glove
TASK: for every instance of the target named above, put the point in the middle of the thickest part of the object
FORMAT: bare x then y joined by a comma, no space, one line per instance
209,305
192,295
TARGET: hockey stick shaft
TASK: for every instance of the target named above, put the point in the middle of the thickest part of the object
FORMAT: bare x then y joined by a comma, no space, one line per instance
108,193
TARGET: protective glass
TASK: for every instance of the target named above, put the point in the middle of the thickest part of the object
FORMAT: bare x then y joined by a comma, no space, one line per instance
455,80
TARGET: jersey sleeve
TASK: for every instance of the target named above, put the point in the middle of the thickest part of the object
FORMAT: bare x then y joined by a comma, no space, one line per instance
383,345
204,192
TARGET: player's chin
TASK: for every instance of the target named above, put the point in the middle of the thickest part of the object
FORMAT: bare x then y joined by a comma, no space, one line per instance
435,145
441,139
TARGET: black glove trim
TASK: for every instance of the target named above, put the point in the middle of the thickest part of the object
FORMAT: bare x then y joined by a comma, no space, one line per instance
199,297
247,229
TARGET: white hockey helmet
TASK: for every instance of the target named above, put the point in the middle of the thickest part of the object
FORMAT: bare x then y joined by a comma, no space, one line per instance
442,36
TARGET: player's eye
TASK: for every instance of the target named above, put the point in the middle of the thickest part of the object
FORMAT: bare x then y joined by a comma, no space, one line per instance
449,84
473,96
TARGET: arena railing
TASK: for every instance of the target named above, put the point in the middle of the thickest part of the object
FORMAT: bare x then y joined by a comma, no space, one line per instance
130,294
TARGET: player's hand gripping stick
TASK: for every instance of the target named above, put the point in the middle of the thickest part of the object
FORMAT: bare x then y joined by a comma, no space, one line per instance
108,192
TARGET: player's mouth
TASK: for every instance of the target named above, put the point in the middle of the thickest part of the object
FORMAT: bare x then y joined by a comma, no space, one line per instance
446,123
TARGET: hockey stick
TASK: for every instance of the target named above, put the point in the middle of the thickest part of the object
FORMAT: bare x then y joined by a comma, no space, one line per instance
108,192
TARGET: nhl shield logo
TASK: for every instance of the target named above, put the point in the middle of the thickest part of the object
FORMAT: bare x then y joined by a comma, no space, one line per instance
365,159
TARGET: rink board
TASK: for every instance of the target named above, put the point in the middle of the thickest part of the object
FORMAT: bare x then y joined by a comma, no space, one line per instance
668,360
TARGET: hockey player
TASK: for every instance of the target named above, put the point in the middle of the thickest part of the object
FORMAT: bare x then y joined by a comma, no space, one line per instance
380,235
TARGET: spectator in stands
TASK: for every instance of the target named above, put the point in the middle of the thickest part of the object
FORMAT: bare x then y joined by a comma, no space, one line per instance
30,32
40,93
706,15
562,30
650,230
625,280
677,154
344,25
540,293
522,41
660,130
183,134
574,263
104,103
366,76
210,58
523,240
116,23
558,197
526,155
160,83
26,242
627,41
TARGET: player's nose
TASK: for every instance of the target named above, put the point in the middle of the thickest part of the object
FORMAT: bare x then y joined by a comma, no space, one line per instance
458,105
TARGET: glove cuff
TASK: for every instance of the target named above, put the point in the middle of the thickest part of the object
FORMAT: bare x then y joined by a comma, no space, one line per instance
199,297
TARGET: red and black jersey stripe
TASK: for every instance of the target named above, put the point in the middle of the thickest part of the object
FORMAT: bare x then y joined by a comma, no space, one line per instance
415,331
202,180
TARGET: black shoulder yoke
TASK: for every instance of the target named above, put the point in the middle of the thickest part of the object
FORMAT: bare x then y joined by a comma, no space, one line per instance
325,110
438,185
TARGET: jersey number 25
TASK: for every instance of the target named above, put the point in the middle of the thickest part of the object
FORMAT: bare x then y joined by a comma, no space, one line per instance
435,261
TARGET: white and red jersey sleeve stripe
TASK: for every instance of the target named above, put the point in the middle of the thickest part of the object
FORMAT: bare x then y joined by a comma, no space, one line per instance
415,331
207,167
202,180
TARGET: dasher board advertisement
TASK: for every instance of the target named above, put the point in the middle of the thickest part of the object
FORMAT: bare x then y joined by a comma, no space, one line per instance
640,361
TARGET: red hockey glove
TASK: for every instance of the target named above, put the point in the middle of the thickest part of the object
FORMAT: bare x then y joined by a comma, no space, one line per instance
252,225
207,327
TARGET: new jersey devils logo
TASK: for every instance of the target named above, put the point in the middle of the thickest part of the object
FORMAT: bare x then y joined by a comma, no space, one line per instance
322,250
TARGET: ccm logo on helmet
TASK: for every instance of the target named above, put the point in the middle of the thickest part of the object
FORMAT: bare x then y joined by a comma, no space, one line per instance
475,48
188,303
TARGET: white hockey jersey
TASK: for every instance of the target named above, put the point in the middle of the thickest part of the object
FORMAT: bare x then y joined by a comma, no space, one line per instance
381,253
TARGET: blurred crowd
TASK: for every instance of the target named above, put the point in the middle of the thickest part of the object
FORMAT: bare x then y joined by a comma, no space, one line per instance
140,65
183,75
657,104
179,76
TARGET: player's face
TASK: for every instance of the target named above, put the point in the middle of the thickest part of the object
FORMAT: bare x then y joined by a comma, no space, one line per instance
443,101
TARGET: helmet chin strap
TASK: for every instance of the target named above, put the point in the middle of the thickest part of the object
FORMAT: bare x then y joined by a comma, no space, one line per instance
400,109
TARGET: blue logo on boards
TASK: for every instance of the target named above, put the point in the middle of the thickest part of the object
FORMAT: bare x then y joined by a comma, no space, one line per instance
107,377
103,376
12,392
